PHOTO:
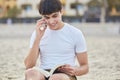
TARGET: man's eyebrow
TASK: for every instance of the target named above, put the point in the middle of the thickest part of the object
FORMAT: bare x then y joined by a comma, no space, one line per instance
55,14
46,16
51,15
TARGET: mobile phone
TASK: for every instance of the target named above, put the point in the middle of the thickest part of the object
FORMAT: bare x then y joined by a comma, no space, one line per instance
44,25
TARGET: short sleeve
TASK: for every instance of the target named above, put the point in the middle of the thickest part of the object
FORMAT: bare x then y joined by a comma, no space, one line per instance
32,39
80,44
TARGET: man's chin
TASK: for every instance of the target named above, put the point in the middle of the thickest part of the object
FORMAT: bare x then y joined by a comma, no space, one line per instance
53,27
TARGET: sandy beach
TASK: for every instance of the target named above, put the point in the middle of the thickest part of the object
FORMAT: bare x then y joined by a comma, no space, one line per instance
103,53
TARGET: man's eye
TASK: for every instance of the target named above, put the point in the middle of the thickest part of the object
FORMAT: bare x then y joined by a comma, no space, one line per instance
54,16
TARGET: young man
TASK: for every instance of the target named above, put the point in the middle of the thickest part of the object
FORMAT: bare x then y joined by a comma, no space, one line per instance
58,43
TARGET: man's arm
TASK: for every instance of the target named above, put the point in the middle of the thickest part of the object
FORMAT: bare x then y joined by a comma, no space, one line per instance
83,62
33,54
77,70
31,59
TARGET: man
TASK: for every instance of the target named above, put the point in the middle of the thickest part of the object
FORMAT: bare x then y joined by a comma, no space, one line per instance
58,43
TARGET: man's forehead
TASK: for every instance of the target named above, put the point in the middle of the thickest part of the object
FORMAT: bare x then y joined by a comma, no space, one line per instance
50,14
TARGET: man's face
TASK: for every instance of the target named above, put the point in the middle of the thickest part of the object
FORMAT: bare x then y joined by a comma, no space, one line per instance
53,20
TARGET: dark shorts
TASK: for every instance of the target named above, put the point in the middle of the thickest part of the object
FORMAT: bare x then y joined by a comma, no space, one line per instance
71,77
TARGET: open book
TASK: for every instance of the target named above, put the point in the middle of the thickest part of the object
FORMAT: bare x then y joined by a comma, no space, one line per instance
49,73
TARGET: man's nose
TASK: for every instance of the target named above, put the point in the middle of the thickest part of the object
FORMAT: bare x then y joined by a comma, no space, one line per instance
51,21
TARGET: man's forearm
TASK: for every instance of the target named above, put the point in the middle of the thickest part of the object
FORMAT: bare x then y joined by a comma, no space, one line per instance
31,59
82,70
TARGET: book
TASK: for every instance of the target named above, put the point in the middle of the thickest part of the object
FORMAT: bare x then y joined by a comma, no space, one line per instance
49,73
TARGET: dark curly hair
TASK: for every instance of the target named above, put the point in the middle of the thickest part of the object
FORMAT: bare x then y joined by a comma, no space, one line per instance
47,7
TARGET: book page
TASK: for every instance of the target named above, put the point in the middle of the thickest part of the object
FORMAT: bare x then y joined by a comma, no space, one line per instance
47,73
44,72
55,68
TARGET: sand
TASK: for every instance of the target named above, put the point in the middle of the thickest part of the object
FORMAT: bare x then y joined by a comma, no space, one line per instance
103,55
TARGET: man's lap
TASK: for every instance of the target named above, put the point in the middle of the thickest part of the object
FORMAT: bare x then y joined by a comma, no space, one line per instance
60,74
63,76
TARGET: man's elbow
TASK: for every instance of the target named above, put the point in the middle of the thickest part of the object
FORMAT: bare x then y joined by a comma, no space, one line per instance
87,70
27,64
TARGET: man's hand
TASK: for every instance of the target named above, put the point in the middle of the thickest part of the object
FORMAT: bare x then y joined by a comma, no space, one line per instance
39,31
68,69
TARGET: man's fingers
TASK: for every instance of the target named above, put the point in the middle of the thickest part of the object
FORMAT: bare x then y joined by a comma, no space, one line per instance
40,22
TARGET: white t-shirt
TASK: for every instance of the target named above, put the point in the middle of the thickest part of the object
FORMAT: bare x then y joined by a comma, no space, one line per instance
60,46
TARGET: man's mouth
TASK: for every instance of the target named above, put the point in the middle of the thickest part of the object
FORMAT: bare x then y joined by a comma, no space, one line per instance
53,25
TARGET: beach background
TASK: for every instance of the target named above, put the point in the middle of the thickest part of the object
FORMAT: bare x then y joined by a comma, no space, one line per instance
103,41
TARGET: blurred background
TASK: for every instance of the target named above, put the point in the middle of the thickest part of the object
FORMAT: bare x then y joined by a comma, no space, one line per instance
99,20
26,11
